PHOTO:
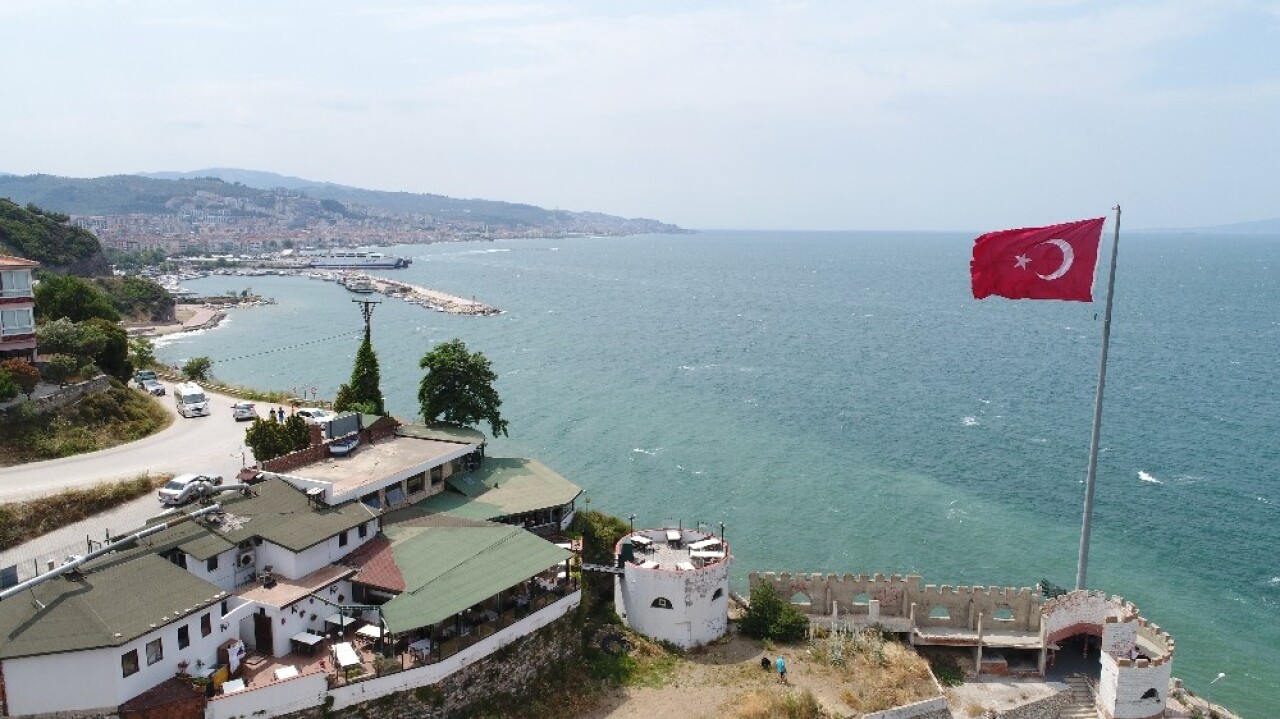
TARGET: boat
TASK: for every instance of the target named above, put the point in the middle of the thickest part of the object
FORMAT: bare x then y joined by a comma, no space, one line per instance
356,260
361,285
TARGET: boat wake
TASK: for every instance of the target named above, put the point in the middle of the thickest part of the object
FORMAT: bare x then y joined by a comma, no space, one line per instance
1145,477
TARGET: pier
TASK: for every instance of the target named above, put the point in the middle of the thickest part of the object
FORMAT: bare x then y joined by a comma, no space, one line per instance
413,294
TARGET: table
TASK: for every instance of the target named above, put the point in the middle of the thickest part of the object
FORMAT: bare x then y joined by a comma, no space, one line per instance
706,555
684,566
704,543
286,672
233,686
649,564
673,535
370,632
420,649
340,620
641,541
346,655
306,641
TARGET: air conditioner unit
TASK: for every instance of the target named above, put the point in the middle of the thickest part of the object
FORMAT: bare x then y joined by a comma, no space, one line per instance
247,559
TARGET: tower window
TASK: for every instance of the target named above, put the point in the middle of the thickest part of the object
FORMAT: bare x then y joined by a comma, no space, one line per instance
661,603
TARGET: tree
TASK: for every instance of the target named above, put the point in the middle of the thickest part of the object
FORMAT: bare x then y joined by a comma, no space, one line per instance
142,353
770,617
114,356
363,393
197,370
8,386
270,439
59,296
23,373
458,388
63,336
59,368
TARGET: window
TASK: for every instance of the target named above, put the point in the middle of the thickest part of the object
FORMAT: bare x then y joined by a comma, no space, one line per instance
661,603
1003,614
206,625
129,663
939,613
224,608
801,599
17,322
416,483
862,600
437,475
211,564
717,594
342,538
363,531
155,651
184,636
15,283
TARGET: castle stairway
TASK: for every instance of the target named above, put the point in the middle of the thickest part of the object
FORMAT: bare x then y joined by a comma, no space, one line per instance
1082,706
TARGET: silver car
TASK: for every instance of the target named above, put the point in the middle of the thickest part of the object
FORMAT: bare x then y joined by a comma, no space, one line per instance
153,387
243,410
185,487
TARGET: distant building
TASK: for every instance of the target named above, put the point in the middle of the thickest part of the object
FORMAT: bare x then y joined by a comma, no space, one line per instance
17,309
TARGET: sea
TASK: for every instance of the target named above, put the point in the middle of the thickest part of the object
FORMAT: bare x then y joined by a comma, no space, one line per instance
841,403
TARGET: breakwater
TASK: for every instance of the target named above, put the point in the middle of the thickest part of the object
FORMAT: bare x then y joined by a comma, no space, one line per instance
413,294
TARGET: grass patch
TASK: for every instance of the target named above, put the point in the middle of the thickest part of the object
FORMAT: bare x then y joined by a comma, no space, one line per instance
648,664
97,421
23,521
878,672
775,703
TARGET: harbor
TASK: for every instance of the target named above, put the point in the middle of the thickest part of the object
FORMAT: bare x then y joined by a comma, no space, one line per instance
413,294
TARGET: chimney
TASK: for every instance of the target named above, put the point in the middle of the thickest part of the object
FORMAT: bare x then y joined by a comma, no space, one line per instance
317,434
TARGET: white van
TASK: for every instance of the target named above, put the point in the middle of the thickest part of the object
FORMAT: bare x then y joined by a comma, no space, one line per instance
190,400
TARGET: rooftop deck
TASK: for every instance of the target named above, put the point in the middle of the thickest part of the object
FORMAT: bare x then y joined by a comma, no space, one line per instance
381,461
284,592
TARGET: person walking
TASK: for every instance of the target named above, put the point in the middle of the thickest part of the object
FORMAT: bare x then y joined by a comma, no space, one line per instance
782,670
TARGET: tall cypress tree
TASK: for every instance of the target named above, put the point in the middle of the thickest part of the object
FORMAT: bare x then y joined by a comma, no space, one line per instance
363,393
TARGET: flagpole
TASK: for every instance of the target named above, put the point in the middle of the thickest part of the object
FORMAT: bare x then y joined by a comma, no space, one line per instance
1083,564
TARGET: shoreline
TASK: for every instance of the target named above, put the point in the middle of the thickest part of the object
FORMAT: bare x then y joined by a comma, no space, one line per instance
413,294
197,317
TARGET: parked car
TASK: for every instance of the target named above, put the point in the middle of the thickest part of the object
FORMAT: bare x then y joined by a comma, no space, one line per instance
141,377
315,416
151,386
184,488
243,410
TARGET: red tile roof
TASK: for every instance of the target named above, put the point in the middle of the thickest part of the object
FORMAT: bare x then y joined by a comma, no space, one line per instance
376,566
11,261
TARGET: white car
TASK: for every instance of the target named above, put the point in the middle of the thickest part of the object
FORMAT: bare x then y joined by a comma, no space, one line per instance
243,410
315,416
184,488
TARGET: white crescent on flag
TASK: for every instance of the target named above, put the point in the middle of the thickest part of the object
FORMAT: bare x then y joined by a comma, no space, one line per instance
1068,256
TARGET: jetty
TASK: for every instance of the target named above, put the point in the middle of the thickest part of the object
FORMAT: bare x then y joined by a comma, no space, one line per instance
413,294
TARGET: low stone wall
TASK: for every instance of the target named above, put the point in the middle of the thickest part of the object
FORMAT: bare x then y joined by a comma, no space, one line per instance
935,708
1049,707
67,395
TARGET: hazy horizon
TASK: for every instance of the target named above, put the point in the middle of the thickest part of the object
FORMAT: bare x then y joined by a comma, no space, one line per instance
759,115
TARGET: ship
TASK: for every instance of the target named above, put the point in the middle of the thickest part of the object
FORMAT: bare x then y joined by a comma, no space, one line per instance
356,260
359,283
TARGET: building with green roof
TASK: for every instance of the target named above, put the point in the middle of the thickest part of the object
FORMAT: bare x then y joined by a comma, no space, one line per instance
522,492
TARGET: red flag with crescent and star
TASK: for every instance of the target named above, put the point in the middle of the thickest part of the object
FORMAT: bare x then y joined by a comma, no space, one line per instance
1038,263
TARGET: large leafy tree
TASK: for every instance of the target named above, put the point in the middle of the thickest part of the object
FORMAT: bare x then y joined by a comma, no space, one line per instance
114,357
142,353
197,369
270,439
59,296
458,388
363,393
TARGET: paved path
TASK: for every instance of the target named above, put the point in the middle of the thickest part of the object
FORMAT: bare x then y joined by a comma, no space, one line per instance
199,444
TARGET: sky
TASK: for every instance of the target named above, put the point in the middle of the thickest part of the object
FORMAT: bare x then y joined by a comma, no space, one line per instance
902,115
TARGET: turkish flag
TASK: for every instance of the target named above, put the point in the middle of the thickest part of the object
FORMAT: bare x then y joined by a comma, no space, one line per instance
1038,263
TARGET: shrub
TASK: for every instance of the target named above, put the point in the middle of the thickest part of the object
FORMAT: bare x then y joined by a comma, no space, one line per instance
22,372
197,369
769,617
948,674
60,368
8,386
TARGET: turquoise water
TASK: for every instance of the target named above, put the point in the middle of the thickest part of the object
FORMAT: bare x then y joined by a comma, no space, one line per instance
841,403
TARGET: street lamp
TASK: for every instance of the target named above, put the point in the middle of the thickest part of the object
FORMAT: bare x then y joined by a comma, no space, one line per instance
1209,694
632,519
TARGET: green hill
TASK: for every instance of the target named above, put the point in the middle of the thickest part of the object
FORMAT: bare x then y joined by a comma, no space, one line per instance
50,239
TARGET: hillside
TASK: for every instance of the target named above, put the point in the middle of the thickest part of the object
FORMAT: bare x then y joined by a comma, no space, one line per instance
49,238
297,203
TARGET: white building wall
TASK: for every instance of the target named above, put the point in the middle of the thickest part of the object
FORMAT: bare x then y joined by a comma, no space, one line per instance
330,550
92,679
698,615
394,479
223,577
269,700
1123,684
283,562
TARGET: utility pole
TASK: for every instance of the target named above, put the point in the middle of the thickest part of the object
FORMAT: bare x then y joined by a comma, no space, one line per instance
366,309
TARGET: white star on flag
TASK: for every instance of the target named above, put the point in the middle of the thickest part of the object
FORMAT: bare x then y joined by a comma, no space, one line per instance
1021,261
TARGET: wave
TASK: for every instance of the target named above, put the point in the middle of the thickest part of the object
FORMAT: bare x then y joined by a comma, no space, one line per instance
970,421
1144,476
650,452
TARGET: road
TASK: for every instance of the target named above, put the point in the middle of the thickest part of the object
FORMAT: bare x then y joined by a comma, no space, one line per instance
200,444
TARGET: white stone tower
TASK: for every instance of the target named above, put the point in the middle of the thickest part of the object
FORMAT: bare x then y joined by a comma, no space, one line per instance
674,585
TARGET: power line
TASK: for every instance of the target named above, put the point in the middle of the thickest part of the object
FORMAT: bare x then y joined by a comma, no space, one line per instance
286,347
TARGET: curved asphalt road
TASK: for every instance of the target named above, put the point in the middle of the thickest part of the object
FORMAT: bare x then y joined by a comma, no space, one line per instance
212,444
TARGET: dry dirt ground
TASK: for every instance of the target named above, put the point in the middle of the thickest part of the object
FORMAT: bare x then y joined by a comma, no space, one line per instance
707,684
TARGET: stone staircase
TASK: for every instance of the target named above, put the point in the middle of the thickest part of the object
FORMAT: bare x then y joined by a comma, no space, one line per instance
1081,706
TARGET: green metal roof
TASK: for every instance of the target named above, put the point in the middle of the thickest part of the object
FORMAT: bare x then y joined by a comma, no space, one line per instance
110,604
279,513
450,565
442,433
501,487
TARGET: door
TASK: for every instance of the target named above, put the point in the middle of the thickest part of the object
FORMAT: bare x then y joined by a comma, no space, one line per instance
262,636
